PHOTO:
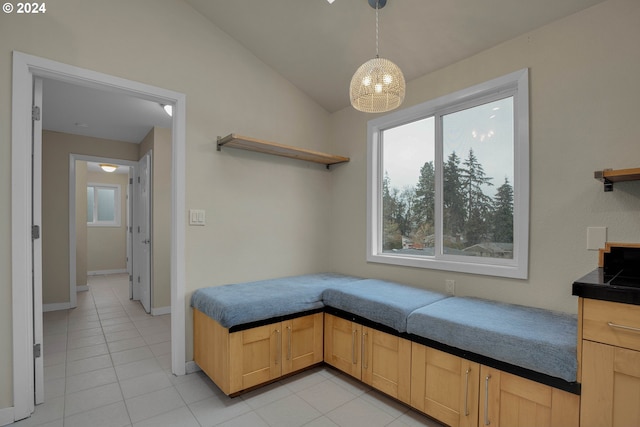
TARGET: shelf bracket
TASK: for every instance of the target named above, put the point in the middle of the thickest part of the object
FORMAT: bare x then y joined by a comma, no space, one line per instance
218,144
608,184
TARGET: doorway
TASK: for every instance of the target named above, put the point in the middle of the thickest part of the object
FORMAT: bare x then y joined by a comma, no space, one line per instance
103,216
26,268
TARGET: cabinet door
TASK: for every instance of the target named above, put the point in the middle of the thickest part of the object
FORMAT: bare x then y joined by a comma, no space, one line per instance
256,356
610,386
301,342
511,401
342,345
444,386
386,363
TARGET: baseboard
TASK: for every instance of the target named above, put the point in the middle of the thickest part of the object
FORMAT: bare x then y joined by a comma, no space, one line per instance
82,288
56,306
191,367
159,311
103,272
6,416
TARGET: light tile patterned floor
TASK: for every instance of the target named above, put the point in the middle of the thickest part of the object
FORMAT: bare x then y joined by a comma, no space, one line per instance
107,363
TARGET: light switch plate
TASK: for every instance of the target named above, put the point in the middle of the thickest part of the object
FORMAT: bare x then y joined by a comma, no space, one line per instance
196,217
596,238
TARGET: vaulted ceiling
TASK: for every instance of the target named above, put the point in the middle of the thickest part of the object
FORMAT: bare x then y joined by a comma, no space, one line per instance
318,46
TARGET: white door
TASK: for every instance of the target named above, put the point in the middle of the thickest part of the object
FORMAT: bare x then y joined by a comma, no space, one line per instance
142,234
130,231
36,247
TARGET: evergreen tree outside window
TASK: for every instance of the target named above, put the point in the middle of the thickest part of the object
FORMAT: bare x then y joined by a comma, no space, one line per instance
449,182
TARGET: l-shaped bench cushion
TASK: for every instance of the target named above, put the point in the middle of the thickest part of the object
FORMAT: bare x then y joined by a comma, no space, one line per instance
383,302
540,340
240,303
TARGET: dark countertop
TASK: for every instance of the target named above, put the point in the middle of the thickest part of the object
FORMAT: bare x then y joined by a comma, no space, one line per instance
607,287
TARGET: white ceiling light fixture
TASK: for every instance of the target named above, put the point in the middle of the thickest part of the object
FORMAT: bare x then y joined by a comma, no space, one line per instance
378,85
330,1
167,109
108,167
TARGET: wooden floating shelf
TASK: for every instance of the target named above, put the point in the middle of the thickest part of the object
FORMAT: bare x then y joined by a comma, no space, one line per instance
609,176
268,147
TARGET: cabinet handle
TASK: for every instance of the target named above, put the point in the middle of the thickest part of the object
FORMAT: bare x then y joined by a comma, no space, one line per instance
365,365
279,353
626,328
486,400
289,343
353,347
466,392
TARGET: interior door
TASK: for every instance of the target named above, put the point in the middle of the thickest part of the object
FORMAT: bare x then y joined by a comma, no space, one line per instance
142,257
36,247
130,231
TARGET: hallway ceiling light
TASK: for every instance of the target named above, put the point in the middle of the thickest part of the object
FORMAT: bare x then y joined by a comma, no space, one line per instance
167,109
378,85
108,167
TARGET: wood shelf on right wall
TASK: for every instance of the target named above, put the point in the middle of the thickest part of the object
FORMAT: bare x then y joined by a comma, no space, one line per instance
609,176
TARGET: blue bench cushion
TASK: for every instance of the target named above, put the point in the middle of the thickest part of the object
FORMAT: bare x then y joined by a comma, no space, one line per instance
383,302
240,303
540,340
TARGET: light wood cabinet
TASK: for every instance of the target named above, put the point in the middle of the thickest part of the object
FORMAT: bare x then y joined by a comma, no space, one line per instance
610,386
444,386
610,364
378,359
511,401
241,360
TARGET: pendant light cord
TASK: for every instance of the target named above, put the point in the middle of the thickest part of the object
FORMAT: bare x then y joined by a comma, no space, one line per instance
377,49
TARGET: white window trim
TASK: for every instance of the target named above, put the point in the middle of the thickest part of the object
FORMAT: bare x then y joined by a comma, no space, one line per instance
116,206
517,82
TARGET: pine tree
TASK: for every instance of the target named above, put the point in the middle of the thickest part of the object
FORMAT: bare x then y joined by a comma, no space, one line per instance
391,235
478,206
425,203
503,214
453,200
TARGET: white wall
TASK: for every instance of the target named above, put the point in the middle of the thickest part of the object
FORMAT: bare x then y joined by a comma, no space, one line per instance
584,96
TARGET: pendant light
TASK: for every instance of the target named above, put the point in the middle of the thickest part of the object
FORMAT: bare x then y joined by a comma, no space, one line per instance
378,85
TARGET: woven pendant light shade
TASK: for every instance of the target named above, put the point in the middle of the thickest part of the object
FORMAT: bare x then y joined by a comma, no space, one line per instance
377,86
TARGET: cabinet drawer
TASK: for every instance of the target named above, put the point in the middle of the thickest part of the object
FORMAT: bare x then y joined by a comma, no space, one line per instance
611,323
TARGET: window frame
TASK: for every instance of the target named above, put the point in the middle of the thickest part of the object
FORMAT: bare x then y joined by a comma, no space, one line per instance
116,205
517,84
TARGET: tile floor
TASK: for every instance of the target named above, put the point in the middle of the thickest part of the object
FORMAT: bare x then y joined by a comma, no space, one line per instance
108,363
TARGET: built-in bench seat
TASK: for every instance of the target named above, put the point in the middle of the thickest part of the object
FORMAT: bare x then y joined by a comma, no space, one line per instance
382,302
536,339
235,306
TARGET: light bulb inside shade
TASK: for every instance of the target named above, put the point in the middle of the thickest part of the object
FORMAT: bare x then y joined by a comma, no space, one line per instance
330,1
107,167
168,109
377,86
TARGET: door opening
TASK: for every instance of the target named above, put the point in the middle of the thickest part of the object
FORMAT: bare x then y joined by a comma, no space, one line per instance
25,266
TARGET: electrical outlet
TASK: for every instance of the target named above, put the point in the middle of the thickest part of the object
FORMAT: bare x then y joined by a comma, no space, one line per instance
450,286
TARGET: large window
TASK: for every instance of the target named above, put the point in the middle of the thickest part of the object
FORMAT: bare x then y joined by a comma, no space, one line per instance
449,182
103,205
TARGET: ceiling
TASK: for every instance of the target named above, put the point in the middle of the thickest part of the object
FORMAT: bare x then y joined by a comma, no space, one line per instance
93,112
317,46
